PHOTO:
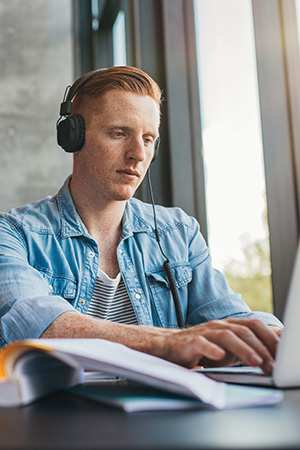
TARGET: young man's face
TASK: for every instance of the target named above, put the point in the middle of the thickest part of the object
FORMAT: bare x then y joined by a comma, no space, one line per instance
120,132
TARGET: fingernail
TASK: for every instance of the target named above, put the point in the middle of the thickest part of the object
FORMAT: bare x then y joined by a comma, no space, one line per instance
256,360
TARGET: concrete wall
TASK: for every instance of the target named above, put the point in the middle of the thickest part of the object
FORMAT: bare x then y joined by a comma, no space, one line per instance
36,64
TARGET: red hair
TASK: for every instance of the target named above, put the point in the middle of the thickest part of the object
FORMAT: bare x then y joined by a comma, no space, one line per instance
126,78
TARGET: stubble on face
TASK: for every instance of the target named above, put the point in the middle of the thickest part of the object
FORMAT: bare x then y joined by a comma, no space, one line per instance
117,154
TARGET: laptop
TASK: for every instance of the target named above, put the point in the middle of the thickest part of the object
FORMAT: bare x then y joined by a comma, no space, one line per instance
287,362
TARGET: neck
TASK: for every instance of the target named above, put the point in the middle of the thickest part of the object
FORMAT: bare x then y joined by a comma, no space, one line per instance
102,218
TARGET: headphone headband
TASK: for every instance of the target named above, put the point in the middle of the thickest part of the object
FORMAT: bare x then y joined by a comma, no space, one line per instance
66,105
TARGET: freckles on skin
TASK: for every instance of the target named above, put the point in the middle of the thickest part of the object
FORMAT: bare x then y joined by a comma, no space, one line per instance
119,145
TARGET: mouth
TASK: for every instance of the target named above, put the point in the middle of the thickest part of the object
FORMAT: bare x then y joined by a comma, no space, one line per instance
129,174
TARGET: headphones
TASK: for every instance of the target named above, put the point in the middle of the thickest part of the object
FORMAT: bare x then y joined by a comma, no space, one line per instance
71,130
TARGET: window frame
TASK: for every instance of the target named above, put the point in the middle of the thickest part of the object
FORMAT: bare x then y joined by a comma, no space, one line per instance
160,39
275,27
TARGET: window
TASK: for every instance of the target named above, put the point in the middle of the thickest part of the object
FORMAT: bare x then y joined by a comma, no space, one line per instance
297,2
160,38
119,40
232,145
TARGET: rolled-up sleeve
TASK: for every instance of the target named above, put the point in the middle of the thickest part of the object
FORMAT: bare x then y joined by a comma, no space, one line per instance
27,307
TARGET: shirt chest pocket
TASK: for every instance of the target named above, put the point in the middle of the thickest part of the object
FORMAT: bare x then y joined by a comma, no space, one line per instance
162,297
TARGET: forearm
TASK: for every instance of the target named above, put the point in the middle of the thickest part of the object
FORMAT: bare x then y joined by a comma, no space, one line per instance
138,337
223,342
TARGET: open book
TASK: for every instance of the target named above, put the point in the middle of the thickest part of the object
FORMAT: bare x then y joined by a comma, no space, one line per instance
30,369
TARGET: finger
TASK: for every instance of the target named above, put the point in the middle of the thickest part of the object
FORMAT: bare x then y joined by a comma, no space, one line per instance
242,343
191,349
209,349
264,333
238,341
256,344
255,352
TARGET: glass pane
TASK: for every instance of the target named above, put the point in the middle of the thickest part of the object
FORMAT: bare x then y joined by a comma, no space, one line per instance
232,146
119,40
297,2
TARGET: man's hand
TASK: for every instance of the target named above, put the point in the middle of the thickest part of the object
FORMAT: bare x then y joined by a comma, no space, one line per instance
215,343
222,343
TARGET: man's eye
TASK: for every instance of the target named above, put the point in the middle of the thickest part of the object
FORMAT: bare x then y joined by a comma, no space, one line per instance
117,134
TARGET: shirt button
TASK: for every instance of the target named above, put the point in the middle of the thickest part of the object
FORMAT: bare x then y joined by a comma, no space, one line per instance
121,251
91,254
82,301
137,296
50,287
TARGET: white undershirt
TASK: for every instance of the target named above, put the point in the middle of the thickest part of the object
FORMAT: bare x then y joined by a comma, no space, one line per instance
110,300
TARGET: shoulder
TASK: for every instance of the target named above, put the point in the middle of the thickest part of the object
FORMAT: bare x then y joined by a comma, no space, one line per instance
40,215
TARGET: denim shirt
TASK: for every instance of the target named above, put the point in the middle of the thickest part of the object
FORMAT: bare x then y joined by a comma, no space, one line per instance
49,264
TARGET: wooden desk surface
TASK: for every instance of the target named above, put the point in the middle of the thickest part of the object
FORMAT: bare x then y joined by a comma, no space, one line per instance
65,421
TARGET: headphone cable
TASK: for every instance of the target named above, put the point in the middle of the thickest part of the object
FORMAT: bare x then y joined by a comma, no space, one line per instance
166,264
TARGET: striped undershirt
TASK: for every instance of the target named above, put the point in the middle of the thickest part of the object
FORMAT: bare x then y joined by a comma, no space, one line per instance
110,300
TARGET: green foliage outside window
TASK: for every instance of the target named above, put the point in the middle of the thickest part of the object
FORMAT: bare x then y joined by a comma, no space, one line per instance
252,277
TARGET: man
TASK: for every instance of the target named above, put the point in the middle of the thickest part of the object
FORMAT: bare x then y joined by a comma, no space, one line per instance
63,258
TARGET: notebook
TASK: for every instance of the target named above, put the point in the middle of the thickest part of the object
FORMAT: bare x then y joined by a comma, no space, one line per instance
287,363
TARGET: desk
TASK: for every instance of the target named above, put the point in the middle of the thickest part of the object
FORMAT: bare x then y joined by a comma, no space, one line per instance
65,421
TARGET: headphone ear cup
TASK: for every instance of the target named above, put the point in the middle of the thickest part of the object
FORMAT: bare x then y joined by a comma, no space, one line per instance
156,149
71,133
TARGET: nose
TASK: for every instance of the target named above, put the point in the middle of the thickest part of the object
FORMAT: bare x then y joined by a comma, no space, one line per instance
136,149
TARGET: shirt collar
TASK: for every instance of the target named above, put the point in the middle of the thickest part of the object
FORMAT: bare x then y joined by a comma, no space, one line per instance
133,221
72,225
